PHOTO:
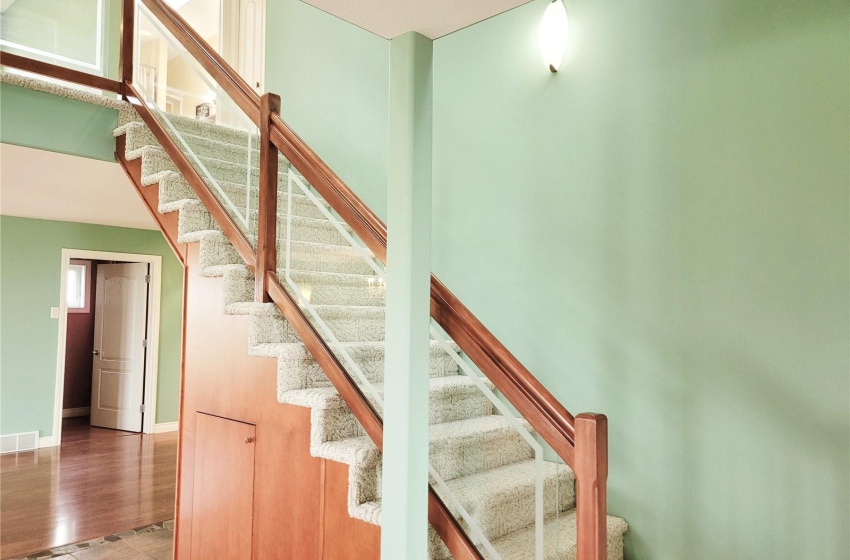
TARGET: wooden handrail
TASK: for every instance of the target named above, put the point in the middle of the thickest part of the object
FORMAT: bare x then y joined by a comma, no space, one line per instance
224,75
214,207
58,72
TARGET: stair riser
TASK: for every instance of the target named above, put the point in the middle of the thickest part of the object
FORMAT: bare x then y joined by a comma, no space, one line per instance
174,191
213,132
344,329
194,218
454,459
498,516
223,151
339,294
137,137
270,329
310,374
217,253
347,329
155,162
340,423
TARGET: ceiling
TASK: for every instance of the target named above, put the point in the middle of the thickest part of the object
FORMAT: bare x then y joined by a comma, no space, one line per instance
52,186
432,18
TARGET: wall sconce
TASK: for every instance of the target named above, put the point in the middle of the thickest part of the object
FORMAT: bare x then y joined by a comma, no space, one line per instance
554,34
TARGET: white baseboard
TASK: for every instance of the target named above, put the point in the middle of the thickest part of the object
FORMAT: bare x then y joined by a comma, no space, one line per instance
165,427
76,412
45,441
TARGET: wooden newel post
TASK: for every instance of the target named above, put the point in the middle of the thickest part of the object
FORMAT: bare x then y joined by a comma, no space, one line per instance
125,62
267,206
591,480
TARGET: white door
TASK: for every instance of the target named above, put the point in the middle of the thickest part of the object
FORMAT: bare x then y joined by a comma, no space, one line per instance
120,322
244,39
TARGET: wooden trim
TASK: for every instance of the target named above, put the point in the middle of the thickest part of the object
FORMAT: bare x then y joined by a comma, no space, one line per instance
449,530
214,207
126,58
58,72
542,410
267,206
224,75
120,150
342,199
339,377
591,470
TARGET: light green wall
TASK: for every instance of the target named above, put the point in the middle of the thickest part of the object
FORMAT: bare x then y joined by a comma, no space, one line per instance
333,80
29,118
30,252
660,233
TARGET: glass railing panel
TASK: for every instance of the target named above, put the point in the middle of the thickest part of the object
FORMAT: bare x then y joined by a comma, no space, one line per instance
499,479
336,281
77,34
499,483
216,137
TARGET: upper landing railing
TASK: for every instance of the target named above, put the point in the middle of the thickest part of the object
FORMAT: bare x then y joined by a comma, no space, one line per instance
580,441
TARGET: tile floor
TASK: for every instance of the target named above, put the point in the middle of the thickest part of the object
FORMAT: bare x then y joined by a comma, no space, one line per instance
151,542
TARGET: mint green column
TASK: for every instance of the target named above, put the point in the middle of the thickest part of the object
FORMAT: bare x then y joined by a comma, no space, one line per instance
405,468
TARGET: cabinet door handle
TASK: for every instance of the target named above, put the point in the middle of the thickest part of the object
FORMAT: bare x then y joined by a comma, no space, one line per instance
249,440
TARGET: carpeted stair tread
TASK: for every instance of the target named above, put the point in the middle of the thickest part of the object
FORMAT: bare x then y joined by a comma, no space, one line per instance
559,536
473,445
194,219
298,370
155,162
218,255
502,500
440,389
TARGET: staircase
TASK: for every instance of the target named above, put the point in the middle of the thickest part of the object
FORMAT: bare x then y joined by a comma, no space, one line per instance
487,465
483,460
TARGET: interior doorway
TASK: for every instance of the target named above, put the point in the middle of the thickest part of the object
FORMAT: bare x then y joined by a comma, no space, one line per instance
108,344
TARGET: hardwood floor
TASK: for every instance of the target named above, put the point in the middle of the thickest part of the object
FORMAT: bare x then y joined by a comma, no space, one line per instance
99,482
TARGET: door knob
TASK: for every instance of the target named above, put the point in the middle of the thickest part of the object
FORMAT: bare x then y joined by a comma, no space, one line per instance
95,352
249,439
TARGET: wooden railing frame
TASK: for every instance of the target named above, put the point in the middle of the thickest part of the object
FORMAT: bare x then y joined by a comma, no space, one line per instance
58,72
127,45
267,200
582,441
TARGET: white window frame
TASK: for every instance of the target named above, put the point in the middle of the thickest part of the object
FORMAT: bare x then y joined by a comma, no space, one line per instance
87,271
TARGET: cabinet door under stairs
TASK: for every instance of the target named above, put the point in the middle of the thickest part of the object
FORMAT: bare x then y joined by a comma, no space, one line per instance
223,489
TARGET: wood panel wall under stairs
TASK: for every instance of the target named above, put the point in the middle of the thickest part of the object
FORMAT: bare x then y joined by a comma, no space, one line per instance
299,502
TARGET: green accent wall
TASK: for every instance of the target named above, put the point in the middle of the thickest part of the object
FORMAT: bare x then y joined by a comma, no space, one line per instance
30,252
659,231
29,118
333,80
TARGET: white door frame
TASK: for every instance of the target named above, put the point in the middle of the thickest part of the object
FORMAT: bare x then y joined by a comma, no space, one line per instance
233,43
152,352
